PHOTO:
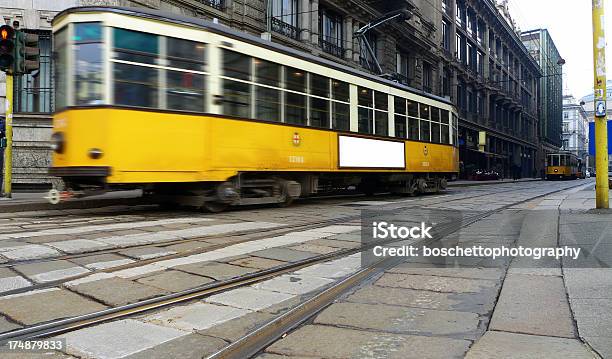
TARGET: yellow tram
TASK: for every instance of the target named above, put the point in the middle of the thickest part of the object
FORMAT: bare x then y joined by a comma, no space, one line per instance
197,113
563,165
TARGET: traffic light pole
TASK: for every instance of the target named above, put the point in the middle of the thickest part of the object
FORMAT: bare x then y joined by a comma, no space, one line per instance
601,124
8,151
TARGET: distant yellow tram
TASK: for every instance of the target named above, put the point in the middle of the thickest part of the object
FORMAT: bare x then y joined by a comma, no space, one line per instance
563,165
197,113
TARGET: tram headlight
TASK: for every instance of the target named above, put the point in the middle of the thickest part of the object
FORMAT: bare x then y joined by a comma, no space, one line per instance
95,153
57,142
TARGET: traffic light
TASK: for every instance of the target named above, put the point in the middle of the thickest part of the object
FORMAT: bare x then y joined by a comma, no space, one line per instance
27,53
7,45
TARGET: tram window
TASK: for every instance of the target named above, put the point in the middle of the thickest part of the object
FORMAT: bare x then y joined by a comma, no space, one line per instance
435,132
237,98
185,54
444,116
236,65
135,46
425,130
295,80
400,127
365,97
381,100
185,91
88,58
400,105
60,52
319,112
295,109
563,160
267,73
87,32
445,136
381,123
413,129
135,85
268,104
364,123
413,109
555,160
340,116
424,110
319,85
435,114
340,90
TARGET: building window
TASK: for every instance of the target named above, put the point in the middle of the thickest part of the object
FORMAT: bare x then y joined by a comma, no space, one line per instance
459,53
285,17
460,14
446,36
427,77
35,93
405,71
331,37
366,60
446,83
217,4
480,63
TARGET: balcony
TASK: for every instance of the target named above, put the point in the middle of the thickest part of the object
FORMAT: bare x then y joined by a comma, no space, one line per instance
285,29
331,48
216,4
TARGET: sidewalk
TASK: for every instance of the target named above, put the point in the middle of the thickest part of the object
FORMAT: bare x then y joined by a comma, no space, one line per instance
550,307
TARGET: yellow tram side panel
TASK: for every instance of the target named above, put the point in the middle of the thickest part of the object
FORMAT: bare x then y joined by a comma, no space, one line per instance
560,170
148,147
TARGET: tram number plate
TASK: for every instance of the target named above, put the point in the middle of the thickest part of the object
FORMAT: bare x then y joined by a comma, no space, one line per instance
296,159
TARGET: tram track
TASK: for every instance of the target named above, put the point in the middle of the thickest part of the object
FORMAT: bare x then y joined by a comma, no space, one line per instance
268,332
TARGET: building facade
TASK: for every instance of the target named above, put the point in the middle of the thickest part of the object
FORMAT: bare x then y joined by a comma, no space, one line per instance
543,49
465,50
575,129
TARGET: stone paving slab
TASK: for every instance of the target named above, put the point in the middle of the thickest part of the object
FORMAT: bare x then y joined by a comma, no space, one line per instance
435,283
189,246
195,316
256,262
79,246
30,251
13,282
147,252
6,325
235,329
588,282
466,302
215,270
322,342
433,270
314,248
50,271
328,242
174,281
102,261
293,284
249,298
118,339
502,345
191,346
400,320
117,291
533,305
44,305
325,270
284,254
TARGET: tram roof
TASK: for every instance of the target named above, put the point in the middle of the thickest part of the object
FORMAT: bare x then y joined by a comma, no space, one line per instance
221,29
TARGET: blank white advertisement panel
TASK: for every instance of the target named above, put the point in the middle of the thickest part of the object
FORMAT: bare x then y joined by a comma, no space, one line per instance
357,152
